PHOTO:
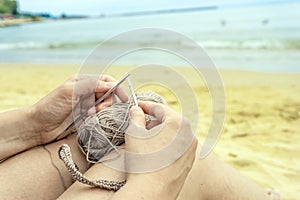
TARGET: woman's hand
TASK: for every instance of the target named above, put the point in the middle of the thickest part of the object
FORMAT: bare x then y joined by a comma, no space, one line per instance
171,164
53,113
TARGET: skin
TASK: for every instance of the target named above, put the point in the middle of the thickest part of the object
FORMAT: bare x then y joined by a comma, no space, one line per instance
33,174
43,122
27,143
174,174
171,125
29,150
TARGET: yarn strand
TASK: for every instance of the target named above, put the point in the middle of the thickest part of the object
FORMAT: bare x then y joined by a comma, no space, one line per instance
101,134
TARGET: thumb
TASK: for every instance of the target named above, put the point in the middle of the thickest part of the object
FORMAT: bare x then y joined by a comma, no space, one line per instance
137,116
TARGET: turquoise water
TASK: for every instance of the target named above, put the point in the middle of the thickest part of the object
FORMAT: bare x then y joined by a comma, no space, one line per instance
259,38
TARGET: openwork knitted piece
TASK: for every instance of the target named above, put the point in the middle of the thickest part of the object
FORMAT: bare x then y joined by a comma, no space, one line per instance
101,134
66,157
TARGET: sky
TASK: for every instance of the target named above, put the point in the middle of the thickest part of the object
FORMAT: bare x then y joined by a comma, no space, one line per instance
97,7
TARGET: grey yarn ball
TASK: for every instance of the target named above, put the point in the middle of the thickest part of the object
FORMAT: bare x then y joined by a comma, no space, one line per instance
100,133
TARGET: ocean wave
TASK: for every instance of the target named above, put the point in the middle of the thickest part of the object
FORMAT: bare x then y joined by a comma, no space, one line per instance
208,44
37,45
252,44
21,45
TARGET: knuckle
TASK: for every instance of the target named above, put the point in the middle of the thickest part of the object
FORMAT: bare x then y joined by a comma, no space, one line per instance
100,83
106,77
73,77
66,89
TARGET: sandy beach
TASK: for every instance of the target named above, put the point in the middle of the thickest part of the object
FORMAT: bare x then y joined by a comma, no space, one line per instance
13,22
261,132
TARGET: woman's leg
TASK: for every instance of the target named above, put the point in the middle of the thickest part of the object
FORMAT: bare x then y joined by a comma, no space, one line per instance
39,173
211,178
97,171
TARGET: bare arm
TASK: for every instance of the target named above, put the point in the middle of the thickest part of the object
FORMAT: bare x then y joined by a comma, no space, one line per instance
18,132
46,120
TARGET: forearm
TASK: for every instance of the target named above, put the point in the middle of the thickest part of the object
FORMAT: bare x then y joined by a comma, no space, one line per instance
18,132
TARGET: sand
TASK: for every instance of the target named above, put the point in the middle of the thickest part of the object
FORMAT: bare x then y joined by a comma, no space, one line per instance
261,132
14,22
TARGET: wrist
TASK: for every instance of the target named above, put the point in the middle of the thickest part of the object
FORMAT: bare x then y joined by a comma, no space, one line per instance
19,132
32,124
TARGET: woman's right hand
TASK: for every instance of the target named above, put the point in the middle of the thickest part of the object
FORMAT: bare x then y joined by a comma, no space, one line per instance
165,181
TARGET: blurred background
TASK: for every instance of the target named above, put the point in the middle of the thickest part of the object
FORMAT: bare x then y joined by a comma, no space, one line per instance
245,35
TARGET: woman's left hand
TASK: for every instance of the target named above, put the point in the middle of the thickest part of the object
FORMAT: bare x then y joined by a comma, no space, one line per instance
54,113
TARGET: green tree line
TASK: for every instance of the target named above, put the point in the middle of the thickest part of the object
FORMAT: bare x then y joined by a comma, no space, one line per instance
8,7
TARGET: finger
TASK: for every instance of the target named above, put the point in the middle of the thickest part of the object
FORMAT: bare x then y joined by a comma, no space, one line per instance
152,123
104,83
110,100
137,116
154,109
107,78
100,107
89,84
91,111
79,77
84,87
103,87
99,95
120,91
87,104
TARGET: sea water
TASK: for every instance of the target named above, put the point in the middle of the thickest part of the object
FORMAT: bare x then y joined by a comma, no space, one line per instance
262,37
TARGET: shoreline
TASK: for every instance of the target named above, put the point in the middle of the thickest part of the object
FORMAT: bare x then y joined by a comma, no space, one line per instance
15,22
72,65
34,19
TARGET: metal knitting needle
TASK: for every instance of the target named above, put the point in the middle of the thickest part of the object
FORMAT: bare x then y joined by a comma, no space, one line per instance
132,92
111,90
